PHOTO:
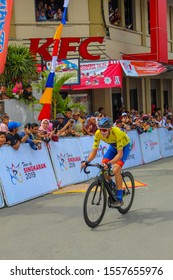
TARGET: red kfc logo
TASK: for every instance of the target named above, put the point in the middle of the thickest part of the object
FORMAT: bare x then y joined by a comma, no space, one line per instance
70,44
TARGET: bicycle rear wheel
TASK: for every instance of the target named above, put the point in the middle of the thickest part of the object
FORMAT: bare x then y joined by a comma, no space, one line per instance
128,192
94,204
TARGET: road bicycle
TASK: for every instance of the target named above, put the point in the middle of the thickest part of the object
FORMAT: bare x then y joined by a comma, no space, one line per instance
95,200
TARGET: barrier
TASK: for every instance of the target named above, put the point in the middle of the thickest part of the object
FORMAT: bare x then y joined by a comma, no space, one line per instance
25,174
135,157
1,199
66,156
150,146
86,146
166,142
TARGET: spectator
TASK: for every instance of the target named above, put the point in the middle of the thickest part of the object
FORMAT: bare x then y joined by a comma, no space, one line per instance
27,93
101,110
59,122
3,139
4,123
3,93
50,13
77,126
91,126
18,89
67,115
13,137
44,131
58,15
42,16
30,139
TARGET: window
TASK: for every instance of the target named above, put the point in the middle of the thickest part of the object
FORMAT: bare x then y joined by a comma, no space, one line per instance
114,14
49,10
128,6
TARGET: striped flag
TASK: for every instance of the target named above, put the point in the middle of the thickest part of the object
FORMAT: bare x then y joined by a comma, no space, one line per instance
46,98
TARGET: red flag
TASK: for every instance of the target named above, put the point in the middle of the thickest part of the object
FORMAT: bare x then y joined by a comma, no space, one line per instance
5,18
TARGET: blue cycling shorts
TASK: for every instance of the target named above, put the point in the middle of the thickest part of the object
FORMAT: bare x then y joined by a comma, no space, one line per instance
112,152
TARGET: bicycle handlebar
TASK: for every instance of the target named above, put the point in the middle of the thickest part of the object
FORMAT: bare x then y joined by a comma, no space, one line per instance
98,165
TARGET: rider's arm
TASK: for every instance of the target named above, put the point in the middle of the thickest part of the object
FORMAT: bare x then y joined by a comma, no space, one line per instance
92,154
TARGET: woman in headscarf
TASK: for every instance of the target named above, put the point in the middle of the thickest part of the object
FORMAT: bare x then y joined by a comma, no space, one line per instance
46,131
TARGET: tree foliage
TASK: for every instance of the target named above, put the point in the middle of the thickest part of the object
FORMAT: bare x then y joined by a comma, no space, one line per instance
20,66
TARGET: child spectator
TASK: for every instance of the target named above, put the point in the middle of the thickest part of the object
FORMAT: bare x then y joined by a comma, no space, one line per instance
17,89
3,139
4,124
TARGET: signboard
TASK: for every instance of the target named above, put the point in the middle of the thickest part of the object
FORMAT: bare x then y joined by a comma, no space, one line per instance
99,74
67,66
135,68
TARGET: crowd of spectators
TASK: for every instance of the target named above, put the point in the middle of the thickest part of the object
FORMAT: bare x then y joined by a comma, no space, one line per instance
76,124
18,92
49,10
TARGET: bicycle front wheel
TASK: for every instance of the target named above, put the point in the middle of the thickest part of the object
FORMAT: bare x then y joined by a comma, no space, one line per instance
94,204
128,192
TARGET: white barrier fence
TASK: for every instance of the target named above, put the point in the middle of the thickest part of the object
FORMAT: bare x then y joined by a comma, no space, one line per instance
26,174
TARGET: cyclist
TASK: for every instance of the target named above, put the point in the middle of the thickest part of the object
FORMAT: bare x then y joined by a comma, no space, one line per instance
116,154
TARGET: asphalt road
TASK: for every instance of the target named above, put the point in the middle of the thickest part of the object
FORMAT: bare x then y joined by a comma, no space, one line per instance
52,226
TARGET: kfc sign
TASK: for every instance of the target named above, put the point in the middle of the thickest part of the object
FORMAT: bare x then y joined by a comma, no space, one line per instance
77,45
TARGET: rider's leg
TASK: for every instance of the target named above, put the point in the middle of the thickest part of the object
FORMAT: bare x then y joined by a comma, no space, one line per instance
118,180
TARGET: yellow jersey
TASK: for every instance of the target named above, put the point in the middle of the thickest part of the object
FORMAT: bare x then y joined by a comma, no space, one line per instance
117,138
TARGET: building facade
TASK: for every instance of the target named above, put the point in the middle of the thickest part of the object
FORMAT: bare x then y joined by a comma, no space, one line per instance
129,32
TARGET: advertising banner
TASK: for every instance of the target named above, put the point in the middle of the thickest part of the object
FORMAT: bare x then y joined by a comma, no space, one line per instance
86,146
135,68
150,146
135,157
25,173
5,18
99,74
166,142
66,155
1,199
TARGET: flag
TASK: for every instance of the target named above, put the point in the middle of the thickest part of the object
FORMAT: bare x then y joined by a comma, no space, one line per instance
46,98
5,18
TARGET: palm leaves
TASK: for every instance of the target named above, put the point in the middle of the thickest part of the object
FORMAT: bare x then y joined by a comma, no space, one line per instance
20,66
59,104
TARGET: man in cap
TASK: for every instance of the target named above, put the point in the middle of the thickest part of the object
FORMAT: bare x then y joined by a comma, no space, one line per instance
59,122
13,137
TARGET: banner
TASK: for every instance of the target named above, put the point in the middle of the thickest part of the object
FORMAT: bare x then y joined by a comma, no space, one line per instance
166,142
5,18
1,198
134,68
135,157
99,74
86,146
66,156
25,173
150,146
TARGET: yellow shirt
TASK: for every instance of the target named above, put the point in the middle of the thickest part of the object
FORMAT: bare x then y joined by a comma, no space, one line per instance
117,138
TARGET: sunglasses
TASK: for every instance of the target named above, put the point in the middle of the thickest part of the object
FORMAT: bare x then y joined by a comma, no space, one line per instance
103,129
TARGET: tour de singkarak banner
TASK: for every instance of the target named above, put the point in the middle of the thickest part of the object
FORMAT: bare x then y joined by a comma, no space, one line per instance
5,18
99,74
135,68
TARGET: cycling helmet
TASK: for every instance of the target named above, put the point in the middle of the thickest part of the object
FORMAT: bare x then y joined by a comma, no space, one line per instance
105,123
